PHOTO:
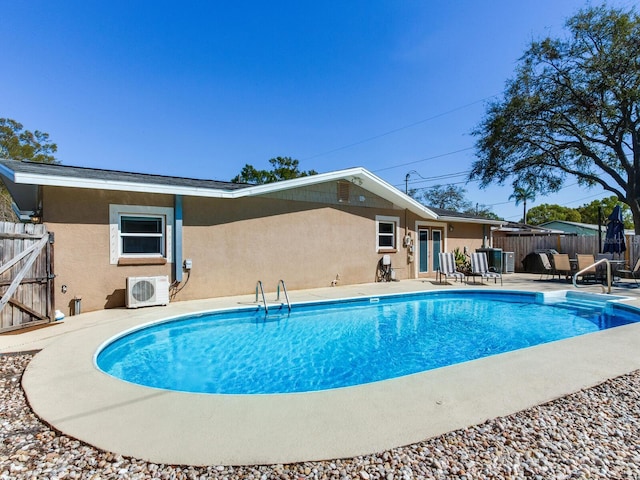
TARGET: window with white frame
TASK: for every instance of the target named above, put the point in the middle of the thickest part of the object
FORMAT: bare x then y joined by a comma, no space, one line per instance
386,232
140,232
142,235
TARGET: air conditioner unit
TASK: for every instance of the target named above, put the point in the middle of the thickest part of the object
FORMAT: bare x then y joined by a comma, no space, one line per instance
147,291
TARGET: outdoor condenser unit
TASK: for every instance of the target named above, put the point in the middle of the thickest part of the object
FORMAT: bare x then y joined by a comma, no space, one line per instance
147,291
508,262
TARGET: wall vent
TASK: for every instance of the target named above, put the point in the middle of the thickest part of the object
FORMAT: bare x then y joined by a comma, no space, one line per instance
343,192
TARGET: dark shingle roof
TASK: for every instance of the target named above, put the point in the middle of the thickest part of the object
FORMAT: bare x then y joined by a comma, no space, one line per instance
115,176
443,212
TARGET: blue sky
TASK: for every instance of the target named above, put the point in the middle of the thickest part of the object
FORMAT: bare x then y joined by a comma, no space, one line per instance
199,89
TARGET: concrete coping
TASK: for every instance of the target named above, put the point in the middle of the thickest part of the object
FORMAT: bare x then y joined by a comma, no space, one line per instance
66,390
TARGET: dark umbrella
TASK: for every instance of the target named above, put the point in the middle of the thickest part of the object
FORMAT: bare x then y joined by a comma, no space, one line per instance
614,239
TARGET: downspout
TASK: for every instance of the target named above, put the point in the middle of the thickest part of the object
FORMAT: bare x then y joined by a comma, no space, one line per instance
177,239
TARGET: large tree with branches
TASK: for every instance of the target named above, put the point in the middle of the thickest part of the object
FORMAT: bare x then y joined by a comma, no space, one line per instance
572,110
16,143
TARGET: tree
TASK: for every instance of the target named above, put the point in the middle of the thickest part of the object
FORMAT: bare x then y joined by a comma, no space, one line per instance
448,197
549,212
481,210
571,110
589,212
19,144
521,195
284,168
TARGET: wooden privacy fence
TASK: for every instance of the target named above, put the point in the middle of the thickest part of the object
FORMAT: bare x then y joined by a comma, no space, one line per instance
570,244
26,276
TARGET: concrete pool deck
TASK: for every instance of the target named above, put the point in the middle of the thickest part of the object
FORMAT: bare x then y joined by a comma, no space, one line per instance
66,391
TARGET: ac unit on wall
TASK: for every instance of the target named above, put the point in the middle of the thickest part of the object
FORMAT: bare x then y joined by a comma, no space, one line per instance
147,291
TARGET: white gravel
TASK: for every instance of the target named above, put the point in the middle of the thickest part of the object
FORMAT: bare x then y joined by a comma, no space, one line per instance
594,433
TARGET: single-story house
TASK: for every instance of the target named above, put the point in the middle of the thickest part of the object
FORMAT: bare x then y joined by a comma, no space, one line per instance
575,228
515,229
214,238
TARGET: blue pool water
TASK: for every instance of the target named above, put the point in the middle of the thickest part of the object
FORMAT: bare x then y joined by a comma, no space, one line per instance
338,344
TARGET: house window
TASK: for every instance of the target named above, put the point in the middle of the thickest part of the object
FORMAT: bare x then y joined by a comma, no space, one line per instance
142,235
140,232
387,233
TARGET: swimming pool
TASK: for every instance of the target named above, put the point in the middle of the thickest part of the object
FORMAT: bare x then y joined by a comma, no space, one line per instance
329,345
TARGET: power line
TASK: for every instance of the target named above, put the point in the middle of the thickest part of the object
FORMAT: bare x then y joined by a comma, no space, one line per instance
395,130
422,160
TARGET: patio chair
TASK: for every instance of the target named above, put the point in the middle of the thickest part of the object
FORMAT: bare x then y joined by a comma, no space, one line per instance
480,268
448,267
635,273
584,261
547,269
561,265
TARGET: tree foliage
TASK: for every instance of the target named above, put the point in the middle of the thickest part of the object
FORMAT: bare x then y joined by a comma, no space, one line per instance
549,212
481,210
571,110
449,197
521,195
283,168
19,144
589,212
16,143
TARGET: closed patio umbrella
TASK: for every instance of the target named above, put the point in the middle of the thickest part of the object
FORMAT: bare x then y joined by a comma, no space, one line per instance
614,240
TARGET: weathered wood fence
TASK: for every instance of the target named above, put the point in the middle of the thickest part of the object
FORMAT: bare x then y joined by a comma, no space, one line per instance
26,276
522,246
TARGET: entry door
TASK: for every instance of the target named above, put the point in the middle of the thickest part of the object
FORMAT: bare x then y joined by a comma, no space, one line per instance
436,237
430,244
423,250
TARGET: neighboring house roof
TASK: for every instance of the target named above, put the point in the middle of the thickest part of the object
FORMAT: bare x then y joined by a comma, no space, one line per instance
574,227
523,229
30,173
578,228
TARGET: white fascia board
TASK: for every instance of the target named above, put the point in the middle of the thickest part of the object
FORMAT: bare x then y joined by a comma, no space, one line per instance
73,182
7,172
358,176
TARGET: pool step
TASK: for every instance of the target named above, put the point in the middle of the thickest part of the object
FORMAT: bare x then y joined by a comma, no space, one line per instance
581,304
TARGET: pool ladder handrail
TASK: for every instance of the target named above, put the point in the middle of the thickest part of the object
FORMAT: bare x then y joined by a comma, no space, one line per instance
286,295
586,269
264,300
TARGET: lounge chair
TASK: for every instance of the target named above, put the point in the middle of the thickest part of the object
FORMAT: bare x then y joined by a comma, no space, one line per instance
584,262
547,269
561,265
635,273
448,268
480,268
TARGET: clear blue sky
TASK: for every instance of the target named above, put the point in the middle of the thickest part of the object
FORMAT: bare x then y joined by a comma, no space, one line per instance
199,89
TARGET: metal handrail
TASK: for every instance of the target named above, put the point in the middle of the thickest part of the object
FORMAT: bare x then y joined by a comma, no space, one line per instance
602,260
264,300
286,295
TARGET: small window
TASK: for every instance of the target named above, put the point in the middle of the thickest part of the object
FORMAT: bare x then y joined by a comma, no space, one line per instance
386,232
142,235
139,232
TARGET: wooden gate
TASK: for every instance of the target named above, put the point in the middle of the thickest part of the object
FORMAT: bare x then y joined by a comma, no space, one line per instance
26,276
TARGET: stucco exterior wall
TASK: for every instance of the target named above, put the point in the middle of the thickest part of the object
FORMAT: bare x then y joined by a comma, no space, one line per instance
79,219
232,244
235,243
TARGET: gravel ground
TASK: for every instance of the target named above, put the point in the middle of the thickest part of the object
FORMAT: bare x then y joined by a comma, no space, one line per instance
594,433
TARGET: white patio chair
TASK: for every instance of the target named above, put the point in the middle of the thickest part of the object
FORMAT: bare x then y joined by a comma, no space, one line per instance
480,268
448,267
